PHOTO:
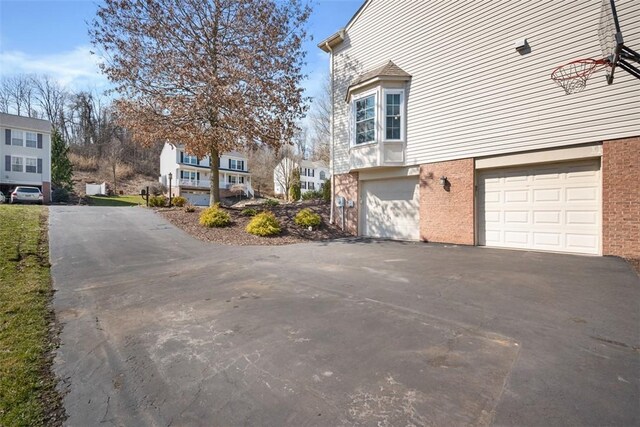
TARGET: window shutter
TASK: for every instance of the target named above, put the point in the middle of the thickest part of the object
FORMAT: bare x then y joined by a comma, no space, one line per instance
181,157
39,140
181,172
39,165
241,165
229,163
198,176
7,163
7,136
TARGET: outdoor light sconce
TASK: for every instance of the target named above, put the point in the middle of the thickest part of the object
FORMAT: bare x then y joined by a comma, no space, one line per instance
443,181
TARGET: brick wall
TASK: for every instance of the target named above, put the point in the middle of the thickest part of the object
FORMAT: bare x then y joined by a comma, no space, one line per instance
621,198
346,185
46,192
446,213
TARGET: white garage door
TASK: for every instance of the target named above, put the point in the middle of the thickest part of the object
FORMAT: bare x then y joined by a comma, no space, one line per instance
196,199
552,207
391,208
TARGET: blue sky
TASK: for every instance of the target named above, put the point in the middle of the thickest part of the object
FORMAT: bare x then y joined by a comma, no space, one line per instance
50,37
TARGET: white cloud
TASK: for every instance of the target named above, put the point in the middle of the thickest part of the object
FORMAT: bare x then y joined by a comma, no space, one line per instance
77,68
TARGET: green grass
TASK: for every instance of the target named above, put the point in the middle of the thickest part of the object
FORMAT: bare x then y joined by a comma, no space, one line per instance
27,388
131,200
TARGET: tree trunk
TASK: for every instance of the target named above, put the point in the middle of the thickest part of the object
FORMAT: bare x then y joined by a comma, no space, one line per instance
115,186
214,188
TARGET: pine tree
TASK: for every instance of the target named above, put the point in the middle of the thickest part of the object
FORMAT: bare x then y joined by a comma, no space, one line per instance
61,168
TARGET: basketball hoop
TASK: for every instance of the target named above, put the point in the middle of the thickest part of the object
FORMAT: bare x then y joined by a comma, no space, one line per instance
573,76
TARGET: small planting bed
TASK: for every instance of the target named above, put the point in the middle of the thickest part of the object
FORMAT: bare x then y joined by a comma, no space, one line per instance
236,234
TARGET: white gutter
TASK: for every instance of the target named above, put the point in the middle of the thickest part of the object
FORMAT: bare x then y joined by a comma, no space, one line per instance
332,151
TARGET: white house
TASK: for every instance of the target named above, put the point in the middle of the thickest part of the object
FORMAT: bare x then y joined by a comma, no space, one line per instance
447,126
191,175
313,175
26,150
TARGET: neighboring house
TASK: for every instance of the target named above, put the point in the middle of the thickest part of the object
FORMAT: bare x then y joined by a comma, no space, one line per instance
313,175
26,154
191,175
442,131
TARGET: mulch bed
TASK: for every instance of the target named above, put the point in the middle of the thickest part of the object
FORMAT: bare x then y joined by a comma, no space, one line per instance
235,233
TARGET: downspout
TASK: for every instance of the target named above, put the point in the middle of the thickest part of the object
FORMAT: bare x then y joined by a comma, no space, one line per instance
332,163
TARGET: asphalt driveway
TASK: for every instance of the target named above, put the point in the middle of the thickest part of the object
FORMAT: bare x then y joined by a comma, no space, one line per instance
161,329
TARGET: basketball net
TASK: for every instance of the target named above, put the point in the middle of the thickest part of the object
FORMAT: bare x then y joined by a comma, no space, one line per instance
573,76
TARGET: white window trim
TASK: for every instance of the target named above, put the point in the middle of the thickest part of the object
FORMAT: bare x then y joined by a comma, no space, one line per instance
376,118
23,137
403,114
26,164
34,140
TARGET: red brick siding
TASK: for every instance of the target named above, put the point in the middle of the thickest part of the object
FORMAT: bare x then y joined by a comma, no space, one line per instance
447,214
346,185
46,192
621,197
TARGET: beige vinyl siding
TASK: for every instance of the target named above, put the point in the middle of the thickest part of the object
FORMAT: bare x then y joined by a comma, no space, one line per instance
471,93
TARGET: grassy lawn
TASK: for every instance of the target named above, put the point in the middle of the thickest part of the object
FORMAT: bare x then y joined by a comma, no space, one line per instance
131,200
27,388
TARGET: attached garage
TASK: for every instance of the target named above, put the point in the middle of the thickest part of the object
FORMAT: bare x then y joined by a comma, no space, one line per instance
551,207
391,208
196,198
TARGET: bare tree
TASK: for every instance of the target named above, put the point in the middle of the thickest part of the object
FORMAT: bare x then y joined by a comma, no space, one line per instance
214,75
262,162
287,160
114,157
17,94
320,115
51,97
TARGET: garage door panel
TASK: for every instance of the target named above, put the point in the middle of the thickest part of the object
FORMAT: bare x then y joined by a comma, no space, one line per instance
391,209
552,207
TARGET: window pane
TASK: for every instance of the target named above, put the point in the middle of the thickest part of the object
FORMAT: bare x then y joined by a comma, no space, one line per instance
16,138
32,140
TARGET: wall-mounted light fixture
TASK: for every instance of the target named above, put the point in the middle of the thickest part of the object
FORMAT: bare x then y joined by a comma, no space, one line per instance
443,180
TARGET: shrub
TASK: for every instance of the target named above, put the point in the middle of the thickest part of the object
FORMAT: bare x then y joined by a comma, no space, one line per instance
60,195
157,201
295,189
271,203
214,217
312,195
178,201
249,212
307,218
264,224
190,208
326,191
157,189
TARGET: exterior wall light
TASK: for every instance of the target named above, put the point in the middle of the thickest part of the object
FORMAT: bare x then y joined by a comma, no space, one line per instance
443,181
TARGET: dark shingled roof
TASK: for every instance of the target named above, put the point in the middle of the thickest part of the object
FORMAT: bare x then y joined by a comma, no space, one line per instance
387,70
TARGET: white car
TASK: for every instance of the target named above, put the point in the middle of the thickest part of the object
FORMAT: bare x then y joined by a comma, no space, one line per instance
27,195
3,199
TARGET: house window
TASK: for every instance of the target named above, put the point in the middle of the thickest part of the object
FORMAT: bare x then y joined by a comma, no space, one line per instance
393,115
189,175
311,186
241,179
190,160
232,179
31,165
303,185
32,140
236,164
17,137
323,175
16,164
365,119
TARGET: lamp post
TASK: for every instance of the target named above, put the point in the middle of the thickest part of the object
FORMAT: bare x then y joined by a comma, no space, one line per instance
170,177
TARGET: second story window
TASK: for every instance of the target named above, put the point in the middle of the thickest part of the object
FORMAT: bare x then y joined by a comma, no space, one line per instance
190,160
323,176
393,115
17,137
31,165
32,140
365,119
236,164
16,164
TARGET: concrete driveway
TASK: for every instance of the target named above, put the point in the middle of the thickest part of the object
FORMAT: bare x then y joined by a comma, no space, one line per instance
161,329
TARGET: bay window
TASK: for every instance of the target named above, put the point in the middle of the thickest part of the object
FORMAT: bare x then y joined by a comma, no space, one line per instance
365,119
